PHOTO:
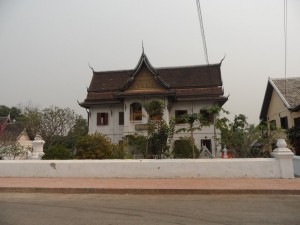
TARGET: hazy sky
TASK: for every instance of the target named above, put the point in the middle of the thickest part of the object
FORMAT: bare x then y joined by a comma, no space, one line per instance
46,45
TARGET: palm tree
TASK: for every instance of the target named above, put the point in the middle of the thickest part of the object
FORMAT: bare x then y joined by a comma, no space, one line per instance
155,111
190,119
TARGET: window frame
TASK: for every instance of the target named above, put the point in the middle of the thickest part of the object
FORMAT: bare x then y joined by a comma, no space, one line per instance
136,112
284,123
297,122
206,115
102,119
121,118
179,113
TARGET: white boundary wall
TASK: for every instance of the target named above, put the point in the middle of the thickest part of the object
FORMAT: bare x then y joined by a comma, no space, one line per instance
296,162
281,166
164,168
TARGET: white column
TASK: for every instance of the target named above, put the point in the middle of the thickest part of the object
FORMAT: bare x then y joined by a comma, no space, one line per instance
285,158
126,117
166,115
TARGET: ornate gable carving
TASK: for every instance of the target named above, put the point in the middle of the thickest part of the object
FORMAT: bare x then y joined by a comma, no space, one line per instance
144,80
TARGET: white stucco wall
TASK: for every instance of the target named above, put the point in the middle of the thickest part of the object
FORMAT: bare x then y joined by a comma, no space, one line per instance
168,168
113,130
277,110
204,133
296,163
129,126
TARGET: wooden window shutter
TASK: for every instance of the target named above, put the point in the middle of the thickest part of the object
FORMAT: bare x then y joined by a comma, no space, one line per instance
105,119
121,118
98,119
102,119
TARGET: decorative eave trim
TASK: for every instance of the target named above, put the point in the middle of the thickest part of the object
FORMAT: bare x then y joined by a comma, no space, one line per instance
87,105
144,59
121,95
296,108
279,93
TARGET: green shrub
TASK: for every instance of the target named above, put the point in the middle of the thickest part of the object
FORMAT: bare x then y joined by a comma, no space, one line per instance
158,141
118,151
57,152
137,145
95,146
183,149
98,146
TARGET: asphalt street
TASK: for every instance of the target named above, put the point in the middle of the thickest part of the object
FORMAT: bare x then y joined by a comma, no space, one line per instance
89,209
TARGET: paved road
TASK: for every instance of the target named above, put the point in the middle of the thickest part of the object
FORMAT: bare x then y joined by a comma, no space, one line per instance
89,209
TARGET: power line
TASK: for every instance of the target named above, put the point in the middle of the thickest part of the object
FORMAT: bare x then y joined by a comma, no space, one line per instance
202,30
285,42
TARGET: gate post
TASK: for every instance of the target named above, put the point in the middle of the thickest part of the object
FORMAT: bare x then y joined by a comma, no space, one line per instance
37,148
285,159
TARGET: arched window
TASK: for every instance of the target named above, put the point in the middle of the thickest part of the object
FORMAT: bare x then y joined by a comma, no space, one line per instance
135,112
156,110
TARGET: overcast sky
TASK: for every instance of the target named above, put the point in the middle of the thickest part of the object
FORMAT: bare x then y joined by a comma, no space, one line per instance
46,45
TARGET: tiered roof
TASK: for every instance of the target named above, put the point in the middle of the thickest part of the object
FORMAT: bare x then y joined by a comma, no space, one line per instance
199,82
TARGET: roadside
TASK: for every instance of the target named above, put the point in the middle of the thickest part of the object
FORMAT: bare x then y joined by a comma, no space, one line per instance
98,209
150,186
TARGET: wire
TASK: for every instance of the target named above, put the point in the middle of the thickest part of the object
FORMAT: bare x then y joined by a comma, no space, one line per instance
202,30
285,42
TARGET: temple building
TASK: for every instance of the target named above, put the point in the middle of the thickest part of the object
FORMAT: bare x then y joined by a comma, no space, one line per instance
115,98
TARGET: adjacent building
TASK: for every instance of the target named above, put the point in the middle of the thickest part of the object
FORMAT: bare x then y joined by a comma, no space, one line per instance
281,104
281,107
14,137
115,98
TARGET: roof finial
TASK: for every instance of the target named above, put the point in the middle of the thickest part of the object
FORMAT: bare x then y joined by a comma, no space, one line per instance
143,47
91,67
222,59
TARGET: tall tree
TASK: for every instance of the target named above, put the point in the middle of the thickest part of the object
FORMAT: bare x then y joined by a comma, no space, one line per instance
213,118
31,120
80,129
241,137
14,112
56,122
154,110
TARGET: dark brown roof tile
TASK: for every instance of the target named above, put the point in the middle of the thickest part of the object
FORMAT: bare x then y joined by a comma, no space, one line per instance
292,87
11,132
199,80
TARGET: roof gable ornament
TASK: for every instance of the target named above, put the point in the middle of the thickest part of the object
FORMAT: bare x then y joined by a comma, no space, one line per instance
142,64
91,68
222,59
